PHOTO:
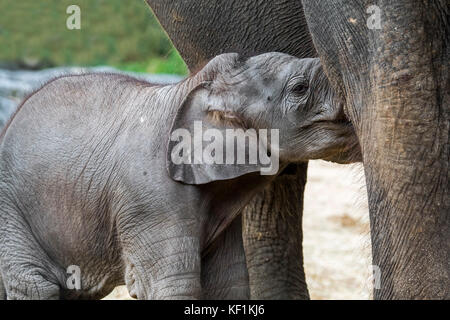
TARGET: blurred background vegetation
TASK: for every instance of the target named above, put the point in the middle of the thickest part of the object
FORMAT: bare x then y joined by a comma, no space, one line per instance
119,33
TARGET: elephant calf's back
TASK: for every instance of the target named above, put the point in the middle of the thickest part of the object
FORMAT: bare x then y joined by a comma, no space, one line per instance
60,171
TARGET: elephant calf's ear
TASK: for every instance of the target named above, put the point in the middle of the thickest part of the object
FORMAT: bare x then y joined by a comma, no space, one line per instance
197,147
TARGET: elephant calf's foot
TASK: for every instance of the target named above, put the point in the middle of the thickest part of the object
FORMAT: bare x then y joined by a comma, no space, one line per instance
130,281
166,287
171,270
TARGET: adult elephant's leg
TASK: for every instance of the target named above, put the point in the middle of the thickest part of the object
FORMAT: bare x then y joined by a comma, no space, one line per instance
273,238
202,29
395,76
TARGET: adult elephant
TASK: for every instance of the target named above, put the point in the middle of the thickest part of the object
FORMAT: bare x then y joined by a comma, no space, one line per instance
394,74
272,222
395,81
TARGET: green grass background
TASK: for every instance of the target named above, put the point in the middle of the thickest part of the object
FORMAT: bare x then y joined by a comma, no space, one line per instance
120,33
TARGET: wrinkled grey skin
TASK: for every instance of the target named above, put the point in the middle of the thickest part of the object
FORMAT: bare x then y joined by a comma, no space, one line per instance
83,179
272,221
2,289
396,83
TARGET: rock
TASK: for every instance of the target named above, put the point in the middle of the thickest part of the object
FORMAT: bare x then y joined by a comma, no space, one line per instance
7,107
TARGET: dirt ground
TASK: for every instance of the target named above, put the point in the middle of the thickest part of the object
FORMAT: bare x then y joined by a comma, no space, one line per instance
336,234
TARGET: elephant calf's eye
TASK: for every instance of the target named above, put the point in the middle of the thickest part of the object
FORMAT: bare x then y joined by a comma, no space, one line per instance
300,89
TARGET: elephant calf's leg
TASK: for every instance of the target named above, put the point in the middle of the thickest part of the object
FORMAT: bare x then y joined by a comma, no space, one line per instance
25,279
224,270
2,288
163,263
23,285
26,271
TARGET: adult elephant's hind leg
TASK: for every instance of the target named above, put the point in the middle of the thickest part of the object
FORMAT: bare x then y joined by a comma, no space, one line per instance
272,232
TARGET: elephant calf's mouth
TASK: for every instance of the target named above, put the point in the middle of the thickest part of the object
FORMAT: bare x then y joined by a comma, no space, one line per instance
342,127
349,149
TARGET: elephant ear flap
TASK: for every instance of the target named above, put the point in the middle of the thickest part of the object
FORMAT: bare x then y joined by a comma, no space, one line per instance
198,144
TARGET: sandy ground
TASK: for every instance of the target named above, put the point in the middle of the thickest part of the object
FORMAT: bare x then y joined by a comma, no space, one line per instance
336,234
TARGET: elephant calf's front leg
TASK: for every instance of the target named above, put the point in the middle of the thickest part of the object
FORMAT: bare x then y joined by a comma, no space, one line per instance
224,271
163,264
2,288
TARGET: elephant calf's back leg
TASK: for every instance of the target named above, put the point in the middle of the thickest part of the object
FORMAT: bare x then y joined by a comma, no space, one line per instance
24,279
26,272
31,286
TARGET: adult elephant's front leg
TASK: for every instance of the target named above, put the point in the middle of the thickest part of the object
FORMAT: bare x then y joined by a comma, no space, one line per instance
272,232
395,80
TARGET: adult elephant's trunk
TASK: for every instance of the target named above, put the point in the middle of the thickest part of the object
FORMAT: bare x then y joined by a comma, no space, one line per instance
395,80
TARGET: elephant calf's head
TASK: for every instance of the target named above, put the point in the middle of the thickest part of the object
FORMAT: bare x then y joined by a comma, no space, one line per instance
272,101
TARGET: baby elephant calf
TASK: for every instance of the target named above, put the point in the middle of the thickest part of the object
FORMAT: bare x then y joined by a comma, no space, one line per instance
106,180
